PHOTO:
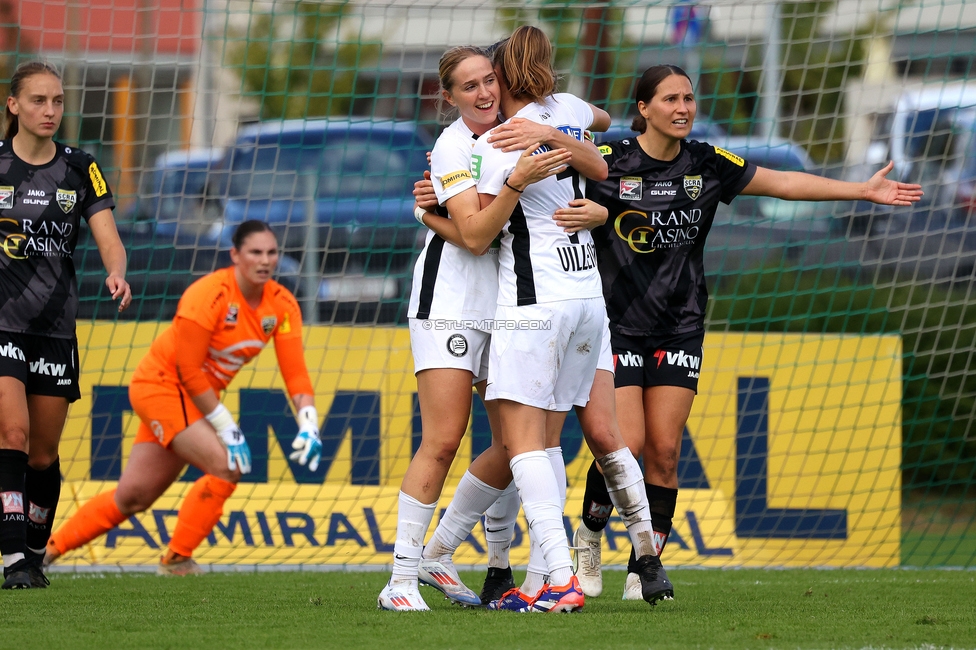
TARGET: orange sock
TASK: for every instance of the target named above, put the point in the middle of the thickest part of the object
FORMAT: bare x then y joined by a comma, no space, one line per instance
200,512
95,518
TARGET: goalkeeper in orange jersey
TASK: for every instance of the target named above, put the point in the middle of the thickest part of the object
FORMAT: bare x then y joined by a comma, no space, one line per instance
223,321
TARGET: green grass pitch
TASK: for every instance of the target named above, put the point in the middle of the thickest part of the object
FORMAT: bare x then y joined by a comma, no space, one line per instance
714,609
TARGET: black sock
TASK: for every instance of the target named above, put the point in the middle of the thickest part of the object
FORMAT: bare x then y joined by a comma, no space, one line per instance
43,489
597,505
662,501
13,519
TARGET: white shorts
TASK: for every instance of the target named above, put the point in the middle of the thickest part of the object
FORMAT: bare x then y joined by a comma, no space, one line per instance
606,354
549,355
436,348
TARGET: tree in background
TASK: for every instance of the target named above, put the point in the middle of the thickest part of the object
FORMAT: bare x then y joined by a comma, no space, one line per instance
294,63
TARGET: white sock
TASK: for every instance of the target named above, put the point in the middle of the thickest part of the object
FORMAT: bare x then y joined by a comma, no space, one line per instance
413,520
625,483
11,559
472,497
559,469
539,493
500,527
535,577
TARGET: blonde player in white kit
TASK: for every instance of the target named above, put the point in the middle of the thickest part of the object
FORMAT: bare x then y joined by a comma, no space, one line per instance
451,306
550,293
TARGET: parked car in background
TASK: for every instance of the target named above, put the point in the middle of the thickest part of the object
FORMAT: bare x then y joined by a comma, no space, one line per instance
182,197
754,231
929,136
338,193
170,239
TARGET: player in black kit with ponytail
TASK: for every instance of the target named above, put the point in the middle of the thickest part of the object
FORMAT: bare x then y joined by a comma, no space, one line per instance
661,194
46,189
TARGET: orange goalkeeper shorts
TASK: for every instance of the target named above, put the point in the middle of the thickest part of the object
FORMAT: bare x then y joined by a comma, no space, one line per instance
165,409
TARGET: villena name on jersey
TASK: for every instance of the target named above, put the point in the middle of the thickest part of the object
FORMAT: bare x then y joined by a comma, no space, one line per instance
580,257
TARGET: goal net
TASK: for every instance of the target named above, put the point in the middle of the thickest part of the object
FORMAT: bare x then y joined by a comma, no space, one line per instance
834,421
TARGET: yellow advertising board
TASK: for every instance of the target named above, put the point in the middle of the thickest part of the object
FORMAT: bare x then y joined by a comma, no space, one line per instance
791,456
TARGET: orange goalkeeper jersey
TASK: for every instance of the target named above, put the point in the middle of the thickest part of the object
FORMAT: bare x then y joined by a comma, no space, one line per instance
214,305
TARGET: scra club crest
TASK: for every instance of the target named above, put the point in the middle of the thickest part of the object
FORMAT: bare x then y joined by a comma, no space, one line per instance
693,186
66,199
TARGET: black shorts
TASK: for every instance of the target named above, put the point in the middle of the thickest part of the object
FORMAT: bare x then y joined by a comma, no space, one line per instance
646,361
46,365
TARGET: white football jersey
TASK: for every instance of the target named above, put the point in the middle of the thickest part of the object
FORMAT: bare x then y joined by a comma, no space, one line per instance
538,261
449,282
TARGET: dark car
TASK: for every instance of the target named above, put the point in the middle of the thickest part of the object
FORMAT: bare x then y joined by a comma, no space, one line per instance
158,272
754,231
351,178
170,238
183,195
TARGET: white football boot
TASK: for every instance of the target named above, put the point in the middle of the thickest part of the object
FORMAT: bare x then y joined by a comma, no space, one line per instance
402,597
587,559
441,575
632,588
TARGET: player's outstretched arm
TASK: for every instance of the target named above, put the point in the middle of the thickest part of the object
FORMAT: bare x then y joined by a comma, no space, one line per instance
112,252
800,186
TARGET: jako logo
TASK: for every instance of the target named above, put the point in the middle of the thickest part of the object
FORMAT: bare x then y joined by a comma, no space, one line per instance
11,351
629,360
678,358
598,511
41,367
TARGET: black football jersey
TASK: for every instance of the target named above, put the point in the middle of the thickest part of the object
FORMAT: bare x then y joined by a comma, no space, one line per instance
41,208
650,251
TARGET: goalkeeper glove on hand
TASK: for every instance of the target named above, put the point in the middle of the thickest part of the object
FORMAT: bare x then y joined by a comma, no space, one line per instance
307,445
238,453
